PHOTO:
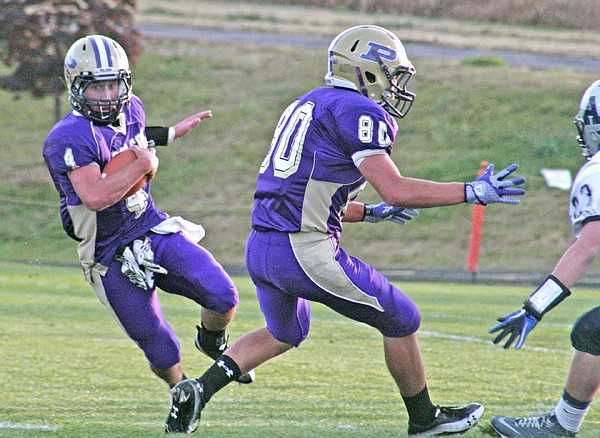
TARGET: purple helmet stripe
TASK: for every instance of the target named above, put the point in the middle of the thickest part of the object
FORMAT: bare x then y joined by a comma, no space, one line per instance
101,48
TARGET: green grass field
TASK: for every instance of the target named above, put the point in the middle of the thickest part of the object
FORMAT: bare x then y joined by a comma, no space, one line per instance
67,370
464,113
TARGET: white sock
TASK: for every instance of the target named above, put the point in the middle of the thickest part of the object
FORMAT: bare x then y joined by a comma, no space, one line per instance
569,417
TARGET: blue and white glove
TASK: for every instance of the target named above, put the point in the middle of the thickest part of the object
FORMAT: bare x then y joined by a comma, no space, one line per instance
385,212
518,324
490,188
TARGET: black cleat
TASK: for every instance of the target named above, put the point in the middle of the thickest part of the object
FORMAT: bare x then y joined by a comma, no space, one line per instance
546,426
215,347
186,405
449,420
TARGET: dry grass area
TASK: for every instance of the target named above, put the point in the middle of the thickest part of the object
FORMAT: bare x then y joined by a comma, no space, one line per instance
433,25
580,14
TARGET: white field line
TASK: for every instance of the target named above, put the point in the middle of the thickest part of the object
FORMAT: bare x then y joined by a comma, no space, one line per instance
459,338
26,426
472,339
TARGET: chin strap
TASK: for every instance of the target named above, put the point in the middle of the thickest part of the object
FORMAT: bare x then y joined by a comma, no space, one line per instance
363,87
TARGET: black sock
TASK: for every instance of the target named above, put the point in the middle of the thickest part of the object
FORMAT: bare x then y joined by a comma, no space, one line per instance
219,375
574,402
419,407
214,334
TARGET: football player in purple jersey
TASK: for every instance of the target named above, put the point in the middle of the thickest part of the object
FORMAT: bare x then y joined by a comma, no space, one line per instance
127,246
583,381
327,145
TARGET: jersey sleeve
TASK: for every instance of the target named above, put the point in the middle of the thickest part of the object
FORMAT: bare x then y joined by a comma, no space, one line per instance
366,130
67,150
585,198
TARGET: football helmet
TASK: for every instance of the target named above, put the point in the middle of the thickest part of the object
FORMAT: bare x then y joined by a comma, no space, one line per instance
587,121
372,61
97,58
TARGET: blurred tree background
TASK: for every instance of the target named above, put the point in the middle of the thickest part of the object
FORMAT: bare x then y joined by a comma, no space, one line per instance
36,35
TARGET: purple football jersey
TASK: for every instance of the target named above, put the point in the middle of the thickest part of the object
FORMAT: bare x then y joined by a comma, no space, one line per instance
76,142
311,170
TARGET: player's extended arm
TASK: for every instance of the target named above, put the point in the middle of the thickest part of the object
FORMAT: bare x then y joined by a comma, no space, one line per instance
161,136
385,212
394,189
189,123
359,212
517,325
572,265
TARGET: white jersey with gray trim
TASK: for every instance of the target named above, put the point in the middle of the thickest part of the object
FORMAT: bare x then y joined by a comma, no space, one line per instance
585,194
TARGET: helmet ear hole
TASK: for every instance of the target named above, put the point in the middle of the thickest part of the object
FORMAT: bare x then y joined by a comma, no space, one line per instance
371,78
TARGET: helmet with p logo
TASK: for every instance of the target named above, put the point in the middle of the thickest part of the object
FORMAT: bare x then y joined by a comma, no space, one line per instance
372,61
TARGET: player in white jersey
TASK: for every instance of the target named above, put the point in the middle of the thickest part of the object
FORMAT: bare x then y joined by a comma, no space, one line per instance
583,380
327,145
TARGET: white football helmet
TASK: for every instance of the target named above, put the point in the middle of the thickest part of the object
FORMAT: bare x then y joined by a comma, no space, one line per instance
97,58
372,61
587,121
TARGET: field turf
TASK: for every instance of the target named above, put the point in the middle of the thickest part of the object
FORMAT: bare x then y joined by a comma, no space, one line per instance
67,370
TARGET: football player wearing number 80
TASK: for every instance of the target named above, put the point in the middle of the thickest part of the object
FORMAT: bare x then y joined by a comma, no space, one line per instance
127,246
583,381
327,145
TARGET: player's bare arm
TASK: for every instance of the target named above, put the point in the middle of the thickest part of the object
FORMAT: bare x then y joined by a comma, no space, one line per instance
186,125
376,213
384,176
580,255
98,193
355,212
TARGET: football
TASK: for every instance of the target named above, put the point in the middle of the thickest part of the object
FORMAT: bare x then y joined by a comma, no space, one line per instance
120,161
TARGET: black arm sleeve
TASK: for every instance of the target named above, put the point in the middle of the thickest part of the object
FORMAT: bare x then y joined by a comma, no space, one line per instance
157,135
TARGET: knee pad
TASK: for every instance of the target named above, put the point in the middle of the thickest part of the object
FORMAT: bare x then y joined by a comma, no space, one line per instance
585,336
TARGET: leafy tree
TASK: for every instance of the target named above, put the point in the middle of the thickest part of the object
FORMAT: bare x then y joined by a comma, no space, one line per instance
36,35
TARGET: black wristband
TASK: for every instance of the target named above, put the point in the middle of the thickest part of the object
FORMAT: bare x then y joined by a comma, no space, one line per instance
157,135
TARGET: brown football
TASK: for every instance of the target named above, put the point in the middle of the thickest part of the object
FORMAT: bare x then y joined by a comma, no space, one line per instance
120,161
